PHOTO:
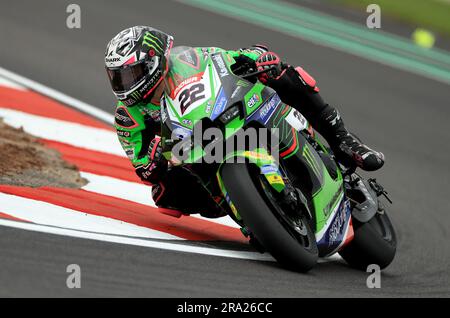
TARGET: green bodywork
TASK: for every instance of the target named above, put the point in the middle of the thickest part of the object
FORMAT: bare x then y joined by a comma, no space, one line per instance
258,105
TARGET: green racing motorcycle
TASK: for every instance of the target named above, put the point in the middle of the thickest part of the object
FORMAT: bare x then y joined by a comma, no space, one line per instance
288,195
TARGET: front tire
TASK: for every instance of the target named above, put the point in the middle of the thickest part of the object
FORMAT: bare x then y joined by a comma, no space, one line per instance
375,242
263,218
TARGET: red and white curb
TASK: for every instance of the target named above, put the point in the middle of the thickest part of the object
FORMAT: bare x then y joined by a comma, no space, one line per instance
114,206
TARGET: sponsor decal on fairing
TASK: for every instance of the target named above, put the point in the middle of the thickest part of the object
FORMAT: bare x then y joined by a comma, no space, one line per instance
220,104
220,65
253,100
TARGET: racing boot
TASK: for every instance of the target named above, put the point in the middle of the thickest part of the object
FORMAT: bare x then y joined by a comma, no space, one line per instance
348,149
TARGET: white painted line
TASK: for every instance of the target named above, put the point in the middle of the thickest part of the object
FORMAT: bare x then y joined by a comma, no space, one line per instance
131,191
53,219
135,192
74,134
137,241
11,84
226,220
53,215
50,92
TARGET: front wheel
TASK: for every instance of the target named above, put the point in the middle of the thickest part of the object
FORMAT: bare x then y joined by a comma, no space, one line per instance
374,242
288,238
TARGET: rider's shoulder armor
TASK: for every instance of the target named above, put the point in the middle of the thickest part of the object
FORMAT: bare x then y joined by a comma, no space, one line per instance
124,119
130,118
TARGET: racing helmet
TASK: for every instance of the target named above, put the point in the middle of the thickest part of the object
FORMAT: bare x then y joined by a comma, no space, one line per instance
136,61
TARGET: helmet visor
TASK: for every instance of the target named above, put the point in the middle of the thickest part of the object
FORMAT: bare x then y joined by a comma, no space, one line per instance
125,78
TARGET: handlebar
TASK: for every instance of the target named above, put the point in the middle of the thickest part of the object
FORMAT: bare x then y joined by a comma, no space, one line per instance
257,72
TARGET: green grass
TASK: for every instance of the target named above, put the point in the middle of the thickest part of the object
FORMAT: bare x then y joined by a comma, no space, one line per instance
430,14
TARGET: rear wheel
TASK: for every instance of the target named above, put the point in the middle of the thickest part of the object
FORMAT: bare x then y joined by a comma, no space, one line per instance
286,235
375,242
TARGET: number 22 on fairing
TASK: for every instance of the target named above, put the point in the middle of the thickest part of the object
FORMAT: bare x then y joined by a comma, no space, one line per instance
191,95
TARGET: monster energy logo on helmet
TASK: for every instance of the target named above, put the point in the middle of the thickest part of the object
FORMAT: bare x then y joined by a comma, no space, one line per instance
136,95
153,42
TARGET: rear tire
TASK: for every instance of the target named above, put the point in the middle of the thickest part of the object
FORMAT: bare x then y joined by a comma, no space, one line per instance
375,242
262,218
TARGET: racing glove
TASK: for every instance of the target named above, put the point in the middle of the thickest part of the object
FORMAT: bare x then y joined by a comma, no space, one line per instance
155,170
269,60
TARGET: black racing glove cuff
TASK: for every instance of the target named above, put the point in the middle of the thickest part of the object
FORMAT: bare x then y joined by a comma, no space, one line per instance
156,169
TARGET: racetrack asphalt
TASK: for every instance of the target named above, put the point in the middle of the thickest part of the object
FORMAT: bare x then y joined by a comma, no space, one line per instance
399,113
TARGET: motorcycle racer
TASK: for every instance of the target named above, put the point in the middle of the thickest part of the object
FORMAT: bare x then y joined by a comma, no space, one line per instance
137,61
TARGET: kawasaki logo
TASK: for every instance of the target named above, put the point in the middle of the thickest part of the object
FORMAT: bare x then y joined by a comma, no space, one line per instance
223,71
